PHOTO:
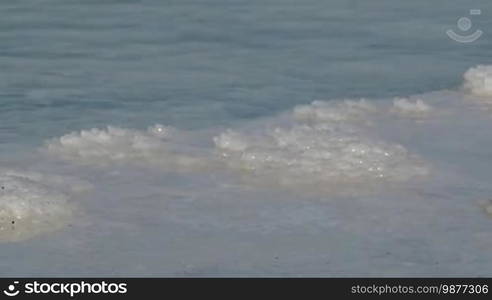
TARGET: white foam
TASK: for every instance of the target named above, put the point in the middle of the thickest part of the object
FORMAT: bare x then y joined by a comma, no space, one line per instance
119,145
33,203
405,107
478,81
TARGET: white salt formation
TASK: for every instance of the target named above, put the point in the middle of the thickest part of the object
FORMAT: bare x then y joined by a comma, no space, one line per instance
31,204
347,110
406,107
487,206
110,145
332,148
118,145
478,81
488,209
323,143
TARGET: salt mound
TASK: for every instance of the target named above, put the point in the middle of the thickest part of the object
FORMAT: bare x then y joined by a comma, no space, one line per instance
321,143
324,143
347,110
478,81
120,145
406,107
357,112
316,154
31,204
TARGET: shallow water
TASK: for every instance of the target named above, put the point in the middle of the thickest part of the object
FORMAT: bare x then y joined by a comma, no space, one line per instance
244,176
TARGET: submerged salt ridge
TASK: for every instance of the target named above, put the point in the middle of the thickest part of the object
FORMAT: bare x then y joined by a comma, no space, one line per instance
34,203
323,143
478,81
155,146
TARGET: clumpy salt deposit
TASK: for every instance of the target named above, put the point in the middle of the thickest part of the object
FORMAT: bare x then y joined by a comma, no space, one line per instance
112,144
326,144
154,146
305,154
322,143
346,110
33,203
478,81
406,107
487,206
